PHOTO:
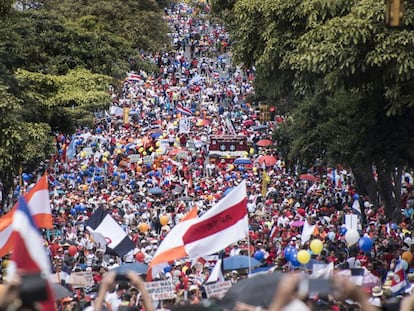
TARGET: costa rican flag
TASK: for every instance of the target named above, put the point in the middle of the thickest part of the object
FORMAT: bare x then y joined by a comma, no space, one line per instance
29,256
184,110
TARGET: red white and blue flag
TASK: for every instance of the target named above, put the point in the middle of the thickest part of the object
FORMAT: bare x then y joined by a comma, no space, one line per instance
29,256
184,110
398,281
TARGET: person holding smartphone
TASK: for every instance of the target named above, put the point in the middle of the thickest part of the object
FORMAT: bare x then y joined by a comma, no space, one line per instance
108,282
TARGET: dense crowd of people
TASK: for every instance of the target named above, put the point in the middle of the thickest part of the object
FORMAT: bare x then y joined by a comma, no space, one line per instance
148,161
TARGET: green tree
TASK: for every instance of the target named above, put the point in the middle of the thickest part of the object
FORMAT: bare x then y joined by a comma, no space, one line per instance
65,101
140,23
20,141
348,79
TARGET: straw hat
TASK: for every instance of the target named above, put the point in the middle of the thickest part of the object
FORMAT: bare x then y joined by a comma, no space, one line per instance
377,291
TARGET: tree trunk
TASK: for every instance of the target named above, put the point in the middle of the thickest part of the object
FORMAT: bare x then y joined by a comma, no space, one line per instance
387,192
365,182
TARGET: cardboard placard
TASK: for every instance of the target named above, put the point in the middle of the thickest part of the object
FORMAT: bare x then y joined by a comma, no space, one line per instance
217,290
81,279
160,290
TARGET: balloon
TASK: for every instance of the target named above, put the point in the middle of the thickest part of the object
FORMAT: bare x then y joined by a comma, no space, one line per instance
316,246
258,255
352,237
356,196
25,177
164,220
294,259
407,256
141,149
331,235
143,227
289,251
251,151
72,250
123,175
365,244
404,265
140,257
73,211
342,231
158,143
303,256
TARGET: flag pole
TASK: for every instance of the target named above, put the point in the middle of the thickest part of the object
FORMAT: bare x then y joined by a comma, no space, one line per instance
249,253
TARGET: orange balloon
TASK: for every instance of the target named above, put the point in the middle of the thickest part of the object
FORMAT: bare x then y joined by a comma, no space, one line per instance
143,227
164,220
407,256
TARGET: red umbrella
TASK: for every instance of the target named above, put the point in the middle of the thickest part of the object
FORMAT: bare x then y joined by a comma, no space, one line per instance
308,177
264,143
248,122
268,160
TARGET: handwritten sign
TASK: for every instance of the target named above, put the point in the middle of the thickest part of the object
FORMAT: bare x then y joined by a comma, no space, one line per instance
160,290
81,279
217,290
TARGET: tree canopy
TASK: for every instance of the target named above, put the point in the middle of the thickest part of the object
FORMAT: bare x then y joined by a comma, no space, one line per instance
57,61
347,79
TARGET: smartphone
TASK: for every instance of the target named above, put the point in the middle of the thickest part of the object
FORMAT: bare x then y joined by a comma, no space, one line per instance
315,287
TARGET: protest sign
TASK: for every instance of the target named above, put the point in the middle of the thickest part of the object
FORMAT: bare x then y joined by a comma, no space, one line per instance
81,279
217,290
160,290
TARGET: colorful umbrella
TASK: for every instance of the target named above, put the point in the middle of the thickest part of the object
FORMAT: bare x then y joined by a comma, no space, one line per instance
240,262
308,177
268,160
264,143
297,223
241,161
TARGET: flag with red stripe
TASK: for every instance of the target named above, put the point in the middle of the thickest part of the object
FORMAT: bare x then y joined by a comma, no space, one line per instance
29,256
39,206
222,225
194,237
183,110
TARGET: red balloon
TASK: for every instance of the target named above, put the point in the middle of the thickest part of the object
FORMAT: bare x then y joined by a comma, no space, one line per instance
139,257
72,250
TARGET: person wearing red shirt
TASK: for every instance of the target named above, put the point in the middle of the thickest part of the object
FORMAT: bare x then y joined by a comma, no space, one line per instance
332,257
